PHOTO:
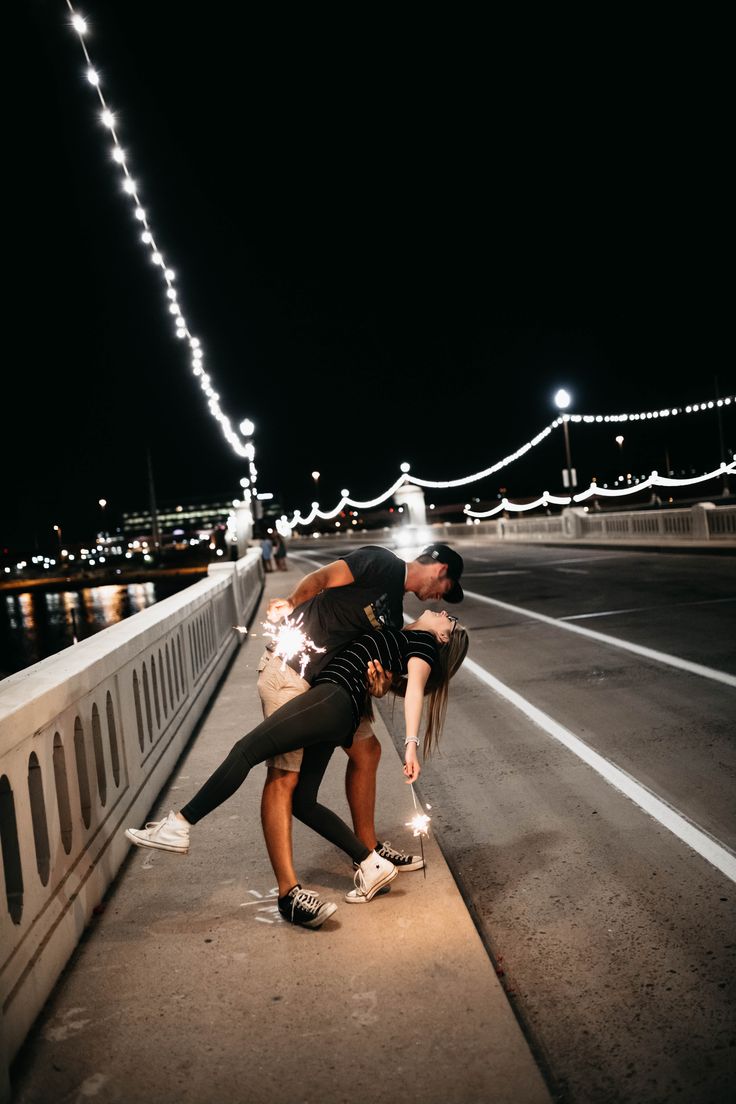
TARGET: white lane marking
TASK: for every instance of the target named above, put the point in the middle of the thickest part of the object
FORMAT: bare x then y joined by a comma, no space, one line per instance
644,609
484,574
310,558
714,852
580,559
613,641
573,570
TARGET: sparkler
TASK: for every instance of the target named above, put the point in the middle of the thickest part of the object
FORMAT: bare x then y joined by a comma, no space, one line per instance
290,641
419,825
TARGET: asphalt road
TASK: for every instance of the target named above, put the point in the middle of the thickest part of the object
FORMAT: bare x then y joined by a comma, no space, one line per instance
615,938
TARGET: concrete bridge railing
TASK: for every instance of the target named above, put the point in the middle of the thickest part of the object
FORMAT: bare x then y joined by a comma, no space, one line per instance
703,522
88,738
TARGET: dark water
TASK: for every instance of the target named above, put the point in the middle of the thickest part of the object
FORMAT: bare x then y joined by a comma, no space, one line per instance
36,624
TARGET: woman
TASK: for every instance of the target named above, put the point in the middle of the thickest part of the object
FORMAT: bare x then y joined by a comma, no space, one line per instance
426,653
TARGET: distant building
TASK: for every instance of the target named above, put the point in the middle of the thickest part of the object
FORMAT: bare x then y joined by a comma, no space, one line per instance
179,520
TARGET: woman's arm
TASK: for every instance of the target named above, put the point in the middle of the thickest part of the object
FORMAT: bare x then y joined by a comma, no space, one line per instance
419,672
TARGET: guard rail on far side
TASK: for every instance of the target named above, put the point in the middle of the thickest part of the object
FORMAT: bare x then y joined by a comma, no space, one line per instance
88,738
703,522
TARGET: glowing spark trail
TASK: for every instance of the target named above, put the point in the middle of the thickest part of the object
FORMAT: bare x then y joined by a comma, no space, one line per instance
419,824
290,641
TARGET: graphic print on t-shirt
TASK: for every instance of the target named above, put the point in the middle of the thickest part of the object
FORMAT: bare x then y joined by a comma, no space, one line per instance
379,613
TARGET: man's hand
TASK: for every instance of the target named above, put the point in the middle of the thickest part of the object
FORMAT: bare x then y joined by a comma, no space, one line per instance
278,608
379,681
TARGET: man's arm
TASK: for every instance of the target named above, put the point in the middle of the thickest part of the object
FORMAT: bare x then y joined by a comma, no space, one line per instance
335,574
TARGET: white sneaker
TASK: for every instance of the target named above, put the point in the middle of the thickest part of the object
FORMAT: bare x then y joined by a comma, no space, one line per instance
169,834
372,875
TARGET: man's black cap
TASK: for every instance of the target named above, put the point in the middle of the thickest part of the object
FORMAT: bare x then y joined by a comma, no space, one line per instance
446,555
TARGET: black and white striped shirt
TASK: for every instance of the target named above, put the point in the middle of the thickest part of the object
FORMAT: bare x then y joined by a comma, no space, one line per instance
393,648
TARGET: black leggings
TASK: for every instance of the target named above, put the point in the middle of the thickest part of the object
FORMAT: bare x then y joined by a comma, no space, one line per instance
318,721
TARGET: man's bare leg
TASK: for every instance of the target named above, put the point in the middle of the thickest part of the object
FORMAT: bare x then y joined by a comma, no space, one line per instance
276,819
360,787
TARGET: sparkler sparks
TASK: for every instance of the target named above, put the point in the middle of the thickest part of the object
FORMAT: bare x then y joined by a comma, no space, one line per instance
291,641
419,825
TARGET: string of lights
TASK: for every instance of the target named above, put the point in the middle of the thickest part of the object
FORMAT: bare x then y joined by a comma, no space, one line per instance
244,447
650,415
654,480
130,187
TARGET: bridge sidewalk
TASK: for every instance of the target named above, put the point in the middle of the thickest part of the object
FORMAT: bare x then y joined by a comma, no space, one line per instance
188,987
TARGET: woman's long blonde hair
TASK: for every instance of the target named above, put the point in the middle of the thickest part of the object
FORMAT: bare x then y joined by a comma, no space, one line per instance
450,658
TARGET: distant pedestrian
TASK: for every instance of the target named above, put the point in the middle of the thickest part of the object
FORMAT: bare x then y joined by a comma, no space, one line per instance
267,553
280,552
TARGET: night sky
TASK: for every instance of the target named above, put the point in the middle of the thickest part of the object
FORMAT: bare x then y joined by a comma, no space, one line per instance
394,240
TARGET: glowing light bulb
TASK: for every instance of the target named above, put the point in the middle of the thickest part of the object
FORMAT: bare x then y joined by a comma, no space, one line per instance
79,25
108,119
93,77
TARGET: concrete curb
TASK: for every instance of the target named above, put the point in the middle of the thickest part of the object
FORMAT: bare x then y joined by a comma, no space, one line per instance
190,988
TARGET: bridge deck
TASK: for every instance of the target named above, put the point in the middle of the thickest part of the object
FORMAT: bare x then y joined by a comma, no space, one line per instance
188,987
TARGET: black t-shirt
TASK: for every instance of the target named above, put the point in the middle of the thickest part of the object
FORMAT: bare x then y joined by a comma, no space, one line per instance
392,648
337,615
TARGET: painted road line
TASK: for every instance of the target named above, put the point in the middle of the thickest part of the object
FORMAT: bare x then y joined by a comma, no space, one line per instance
614,642
709,848
589,559
485,574
645,609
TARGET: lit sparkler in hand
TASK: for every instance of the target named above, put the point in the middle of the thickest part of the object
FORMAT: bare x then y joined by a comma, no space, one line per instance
419,825
290,641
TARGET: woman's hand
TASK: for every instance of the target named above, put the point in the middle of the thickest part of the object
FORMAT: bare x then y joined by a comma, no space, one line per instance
379,681
411,762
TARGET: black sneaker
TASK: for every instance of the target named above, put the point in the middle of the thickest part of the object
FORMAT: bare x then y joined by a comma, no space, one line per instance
303,906
400,859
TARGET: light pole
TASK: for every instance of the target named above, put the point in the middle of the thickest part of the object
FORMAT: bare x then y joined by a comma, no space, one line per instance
57,530
247,510
569,475
102,503
315,477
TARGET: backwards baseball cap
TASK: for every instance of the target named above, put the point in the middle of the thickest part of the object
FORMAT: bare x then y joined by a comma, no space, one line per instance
446,555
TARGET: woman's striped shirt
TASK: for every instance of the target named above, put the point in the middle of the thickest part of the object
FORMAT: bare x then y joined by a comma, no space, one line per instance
393,648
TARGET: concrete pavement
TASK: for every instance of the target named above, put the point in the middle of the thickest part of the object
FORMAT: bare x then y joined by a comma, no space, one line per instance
188,987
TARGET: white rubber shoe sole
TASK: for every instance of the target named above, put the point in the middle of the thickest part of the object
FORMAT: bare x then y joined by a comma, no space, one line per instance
354,897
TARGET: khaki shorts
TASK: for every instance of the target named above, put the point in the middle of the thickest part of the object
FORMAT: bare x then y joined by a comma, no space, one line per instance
278,684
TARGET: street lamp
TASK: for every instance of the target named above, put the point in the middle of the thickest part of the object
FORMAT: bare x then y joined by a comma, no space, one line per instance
569,475
315,477
102,503
57,530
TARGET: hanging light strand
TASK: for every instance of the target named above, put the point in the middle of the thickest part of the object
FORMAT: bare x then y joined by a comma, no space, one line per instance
654,480
130,187
327,515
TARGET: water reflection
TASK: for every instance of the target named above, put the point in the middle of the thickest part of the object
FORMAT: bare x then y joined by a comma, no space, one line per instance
37,624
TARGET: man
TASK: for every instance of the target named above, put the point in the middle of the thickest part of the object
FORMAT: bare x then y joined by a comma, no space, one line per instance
362,591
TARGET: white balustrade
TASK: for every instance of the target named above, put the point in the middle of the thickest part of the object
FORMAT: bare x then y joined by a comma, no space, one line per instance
88,738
